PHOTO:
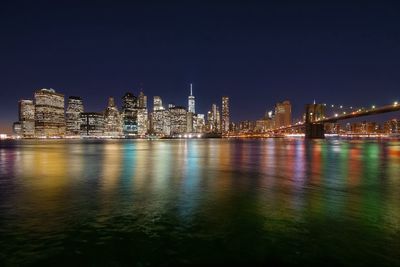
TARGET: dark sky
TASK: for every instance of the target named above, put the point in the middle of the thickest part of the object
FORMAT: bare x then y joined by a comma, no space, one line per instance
257,53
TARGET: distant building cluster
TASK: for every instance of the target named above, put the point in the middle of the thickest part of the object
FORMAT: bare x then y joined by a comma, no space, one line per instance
47,116
280,116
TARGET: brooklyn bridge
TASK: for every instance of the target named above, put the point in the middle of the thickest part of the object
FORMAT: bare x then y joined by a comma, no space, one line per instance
314,119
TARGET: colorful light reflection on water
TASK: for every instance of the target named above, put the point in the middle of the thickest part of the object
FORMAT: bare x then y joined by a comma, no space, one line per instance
282,201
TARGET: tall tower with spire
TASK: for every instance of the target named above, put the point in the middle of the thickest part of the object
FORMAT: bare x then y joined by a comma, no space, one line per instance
191,101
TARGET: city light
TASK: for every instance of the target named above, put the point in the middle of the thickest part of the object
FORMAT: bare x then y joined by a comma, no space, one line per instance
133,120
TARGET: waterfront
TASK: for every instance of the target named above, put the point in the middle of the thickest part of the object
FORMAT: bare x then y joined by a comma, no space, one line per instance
127,202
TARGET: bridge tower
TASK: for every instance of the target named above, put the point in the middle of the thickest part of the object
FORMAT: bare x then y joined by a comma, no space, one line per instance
314,113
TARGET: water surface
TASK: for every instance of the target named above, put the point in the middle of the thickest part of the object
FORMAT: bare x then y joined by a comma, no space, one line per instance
139,202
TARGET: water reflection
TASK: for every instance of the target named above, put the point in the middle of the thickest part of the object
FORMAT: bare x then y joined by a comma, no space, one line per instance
175,197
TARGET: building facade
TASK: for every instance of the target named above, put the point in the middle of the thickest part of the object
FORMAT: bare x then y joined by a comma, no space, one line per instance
26,117
112,120
178,120
225,115
91,124
283,114
142,118
142,100
129,115
158,119
214,120
191,101
157,103
49,113
73,116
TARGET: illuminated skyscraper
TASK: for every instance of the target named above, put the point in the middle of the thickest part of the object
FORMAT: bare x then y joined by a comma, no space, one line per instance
191,101
17,128
157,122
214,120
283,114
178,120
112,120
49,113
199,123
189,122
142,121
225,114
142,115
157,103
26,112
166,122
129,114
142,100
73,115
92,124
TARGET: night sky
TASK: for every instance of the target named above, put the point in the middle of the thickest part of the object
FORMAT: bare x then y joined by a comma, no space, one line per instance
256,53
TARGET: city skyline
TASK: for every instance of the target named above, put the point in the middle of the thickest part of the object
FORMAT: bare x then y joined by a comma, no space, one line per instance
258,53
168,133
50,115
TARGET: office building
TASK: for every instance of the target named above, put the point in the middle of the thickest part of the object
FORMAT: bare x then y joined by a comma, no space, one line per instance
189,122
73,116
158,120
142,121
157,103
199,123
129,115
142,100
91,124
225,115
214,120
26,117
112,120
178,120
49,113
191,101
283,114
17,128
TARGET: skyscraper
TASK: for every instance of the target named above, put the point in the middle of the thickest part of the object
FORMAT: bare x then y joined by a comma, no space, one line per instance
157,103
92,124
26,112
142,115
129,114
157,122
73,115
189,122
214,119
178,117
191,101
142,100
49,113
142,119
112,120
199,123
283,114
225,114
